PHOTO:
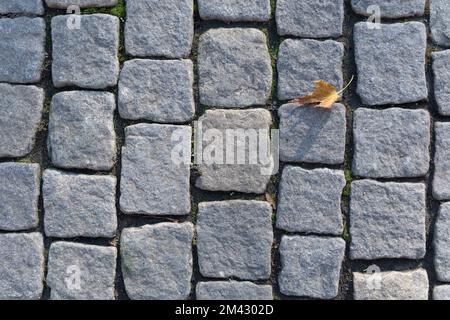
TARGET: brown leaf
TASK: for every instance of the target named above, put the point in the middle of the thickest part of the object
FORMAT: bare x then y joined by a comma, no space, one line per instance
270,200
325,94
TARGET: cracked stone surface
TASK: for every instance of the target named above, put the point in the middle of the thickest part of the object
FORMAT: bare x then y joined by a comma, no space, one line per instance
390,8
22,6
439,22
441,185
441,243
441,61
63,4
233,290
441,292
235,10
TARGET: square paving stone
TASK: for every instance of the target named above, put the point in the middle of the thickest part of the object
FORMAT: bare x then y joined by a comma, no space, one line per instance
86,57
231,156
20,116
234,68
233,290
157,261
234,239
81,272
387,220
22,49
81,130
313,135
391,63
159,28
301,62
441,292
21,266
19,195
156,169
310,266
63,4
310,18
235,10
310,201
79,205
391,143
390,8
441,70
441,243
440,22
157,90
441,177
22,6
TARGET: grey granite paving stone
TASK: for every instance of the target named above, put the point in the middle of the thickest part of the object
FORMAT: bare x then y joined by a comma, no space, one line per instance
63,4
81,272
394,73
234,68
310,266
85,57
157,261
79,205
301,62
81,130
441,292
387,220
22,49
235,10
441,70
233,290
19,196
390,8
313,135
22,6
391,143
441,243
20,117
440,22
155,170
157,90
309,201
159,28
391,285
441,176
21,266
310,18
234,239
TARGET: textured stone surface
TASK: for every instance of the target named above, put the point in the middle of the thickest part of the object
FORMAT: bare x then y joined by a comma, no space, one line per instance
441,243
441,177
22,6
392,285
441,292
310,18
440,22
234,10
390,8
157,261
81,130
233,290
22,49
379,64
79,205
234,68
86,57
21,266
81,271
310,266
301,62
391,143
387,220
63,4
441,70
314,135
310,201
220,173
159,28
20,117
155,170
234,239
157,90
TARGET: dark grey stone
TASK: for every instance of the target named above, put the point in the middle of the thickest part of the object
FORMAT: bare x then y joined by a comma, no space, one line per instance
441,182
440,22
235,10
233,290
63,4
22,6
390,8
441,70
441,243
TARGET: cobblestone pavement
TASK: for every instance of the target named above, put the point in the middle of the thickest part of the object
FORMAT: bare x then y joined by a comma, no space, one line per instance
93,206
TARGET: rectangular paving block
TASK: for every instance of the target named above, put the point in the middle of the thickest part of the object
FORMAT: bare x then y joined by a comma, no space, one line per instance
390,8
232,290
441,292
22,6
441,177
156,169
441,243
440,22
63,4
235,10
441,71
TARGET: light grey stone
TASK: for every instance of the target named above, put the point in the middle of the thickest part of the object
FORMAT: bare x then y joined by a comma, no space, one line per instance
391,143
441,292
387,220
234,68
310,18
21,266
79,205
20,117
301,62
227,165
310,266
63,4
394,73
310,134
22,49
390,8
441,70
234,239
86,57
391,285
22,6
157,261
440,22
441,184
81,130
155,170
310,201
159,28
441,243
93,269
235,10
157,90
233,290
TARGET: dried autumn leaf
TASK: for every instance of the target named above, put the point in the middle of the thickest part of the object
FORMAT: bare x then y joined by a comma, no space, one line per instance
270,200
